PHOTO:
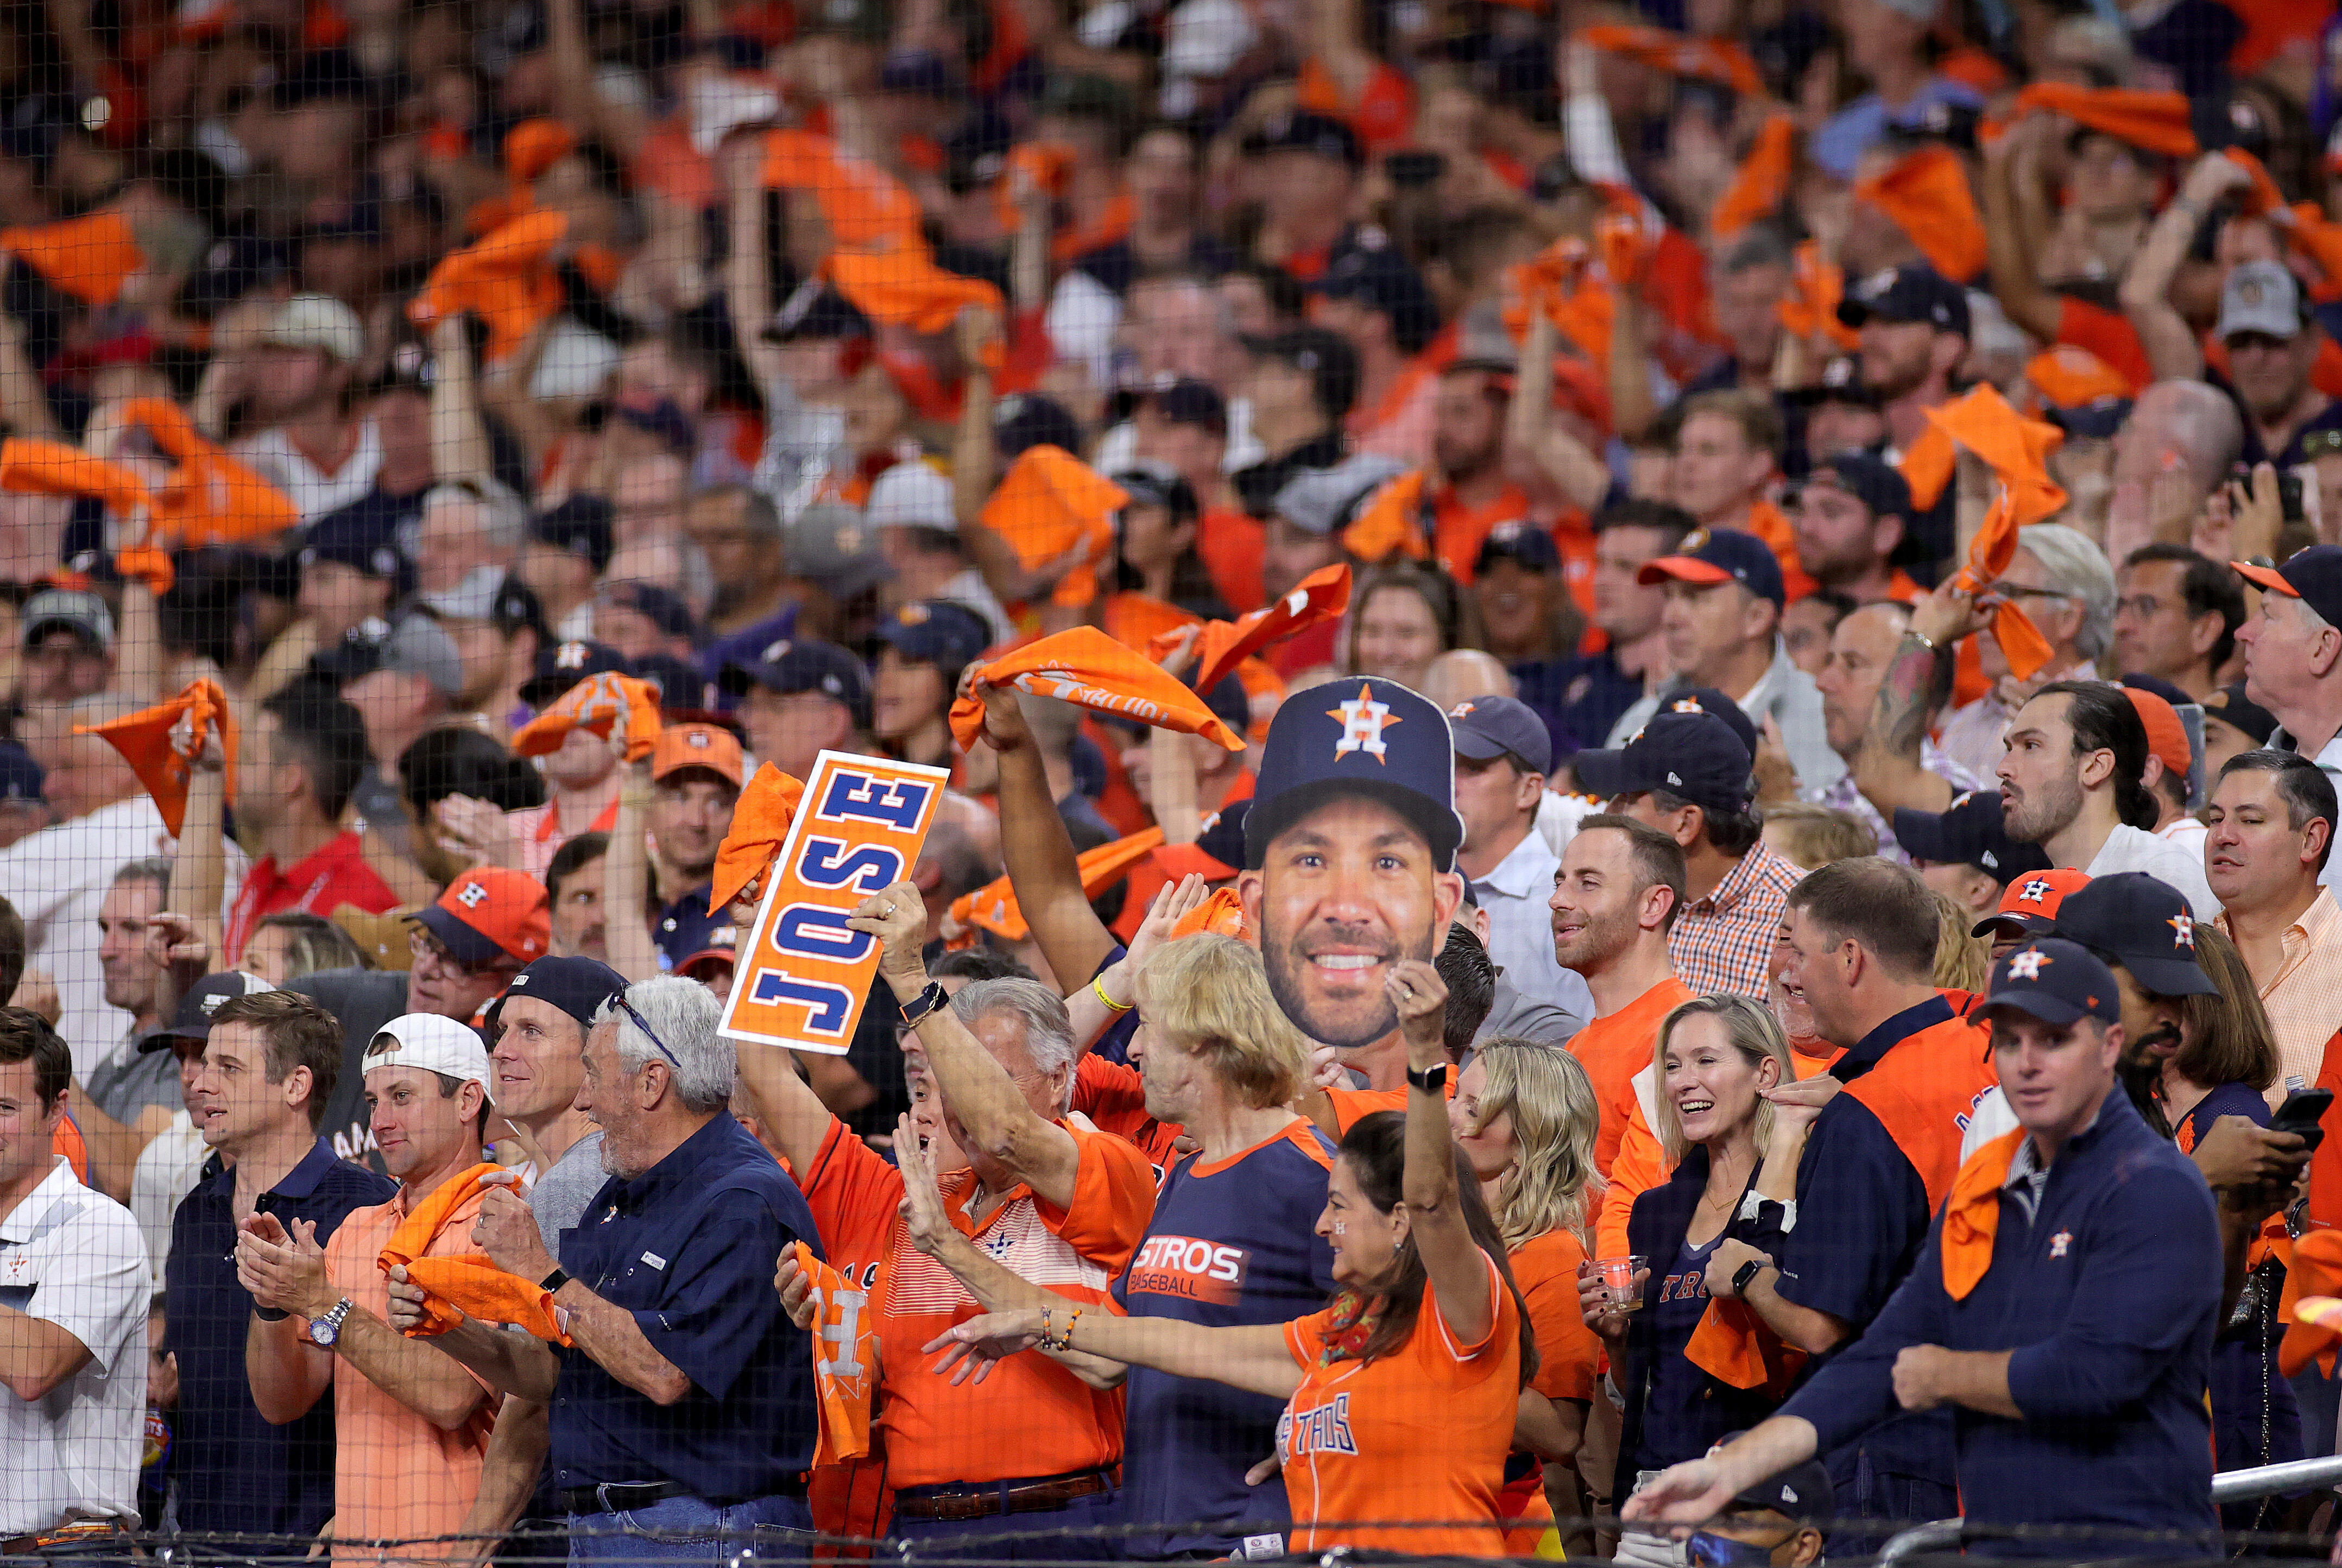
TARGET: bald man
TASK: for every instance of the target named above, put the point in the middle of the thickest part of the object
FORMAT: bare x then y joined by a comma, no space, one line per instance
1890,765
1464,674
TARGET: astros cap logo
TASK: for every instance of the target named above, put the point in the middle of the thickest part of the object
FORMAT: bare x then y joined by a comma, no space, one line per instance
2035,891
1363,722
2183,931
475,894
569,656
2027,966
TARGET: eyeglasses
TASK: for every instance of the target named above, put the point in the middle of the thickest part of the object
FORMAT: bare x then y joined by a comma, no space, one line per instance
423,945
642,1023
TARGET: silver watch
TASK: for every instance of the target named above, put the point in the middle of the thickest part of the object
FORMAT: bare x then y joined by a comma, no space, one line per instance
328,1331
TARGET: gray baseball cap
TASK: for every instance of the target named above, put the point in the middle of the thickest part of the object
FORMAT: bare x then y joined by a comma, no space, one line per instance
1324,499
2259,297
835,549
84,612
418,645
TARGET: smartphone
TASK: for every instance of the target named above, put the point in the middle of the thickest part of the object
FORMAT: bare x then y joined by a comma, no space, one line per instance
2300,1113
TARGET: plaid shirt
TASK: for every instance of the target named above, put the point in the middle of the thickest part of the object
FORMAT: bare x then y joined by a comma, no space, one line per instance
1725,941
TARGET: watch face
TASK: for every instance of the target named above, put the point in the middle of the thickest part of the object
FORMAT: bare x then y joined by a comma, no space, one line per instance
323,1332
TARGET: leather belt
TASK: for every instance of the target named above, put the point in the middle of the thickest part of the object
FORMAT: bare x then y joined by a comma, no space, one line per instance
624,1497
982,1499
77,1534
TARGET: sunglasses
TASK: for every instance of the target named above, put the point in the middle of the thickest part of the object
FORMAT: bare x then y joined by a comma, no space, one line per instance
642,1023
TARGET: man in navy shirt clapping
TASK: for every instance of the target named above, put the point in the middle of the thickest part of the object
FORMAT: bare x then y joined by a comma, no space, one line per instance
2063,1307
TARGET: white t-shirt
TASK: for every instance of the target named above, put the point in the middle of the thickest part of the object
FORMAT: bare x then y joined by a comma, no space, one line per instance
2134,849
165,1172
74,1258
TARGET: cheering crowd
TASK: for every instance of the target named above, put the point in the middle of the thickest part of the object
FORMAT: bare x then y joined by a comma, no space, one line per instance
1621,725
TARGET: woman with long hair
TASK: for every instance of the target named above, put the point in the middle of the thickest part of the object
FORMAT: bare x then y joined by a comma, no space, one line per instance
1692,1363
1154,540
1402,618
1525,1115
1401,1396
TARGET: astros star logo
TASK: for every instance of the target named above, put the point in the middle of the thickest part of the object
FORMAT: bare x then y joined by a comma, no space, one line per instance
2035,892
2059,1243
1364,719
2027,966
2183,926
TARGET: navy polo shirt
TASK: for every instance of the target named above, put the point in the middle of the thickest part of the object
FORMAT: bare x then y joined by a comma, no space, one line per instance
689,1248
234,1473
2110,1297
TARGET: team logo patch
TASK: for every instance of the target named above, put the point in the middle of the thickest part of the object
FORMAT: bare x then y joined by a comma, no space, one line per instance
1364,719
2033,892
2183,931
2027,964
475,894
569,656
2059,1243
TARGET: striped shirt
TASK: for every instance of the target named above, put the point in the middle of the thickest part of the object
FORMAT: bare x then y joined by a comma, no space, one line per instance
1724,941
1840,795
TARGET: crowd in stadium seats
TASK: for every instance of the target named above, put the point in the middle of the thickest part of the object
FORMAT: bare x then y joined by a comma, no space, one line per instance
1168,778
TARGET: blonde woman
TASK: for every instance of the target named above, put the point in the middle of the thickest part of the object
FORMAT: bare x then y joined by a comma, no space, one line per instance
1715,1057
1963,959
1525,1115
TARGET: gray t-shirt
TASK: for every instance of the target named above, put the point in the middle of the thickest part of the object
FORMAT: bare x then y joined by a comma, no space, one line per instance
363,999
561,1194
132,1080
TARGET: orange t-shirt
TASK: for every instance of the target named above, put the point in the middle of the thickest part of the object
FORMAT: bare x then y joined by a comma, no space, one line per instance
1031,1416
1420,1433
1232,543
397,1474
2108,334
1113,1097
1459,530
1569,1357
1351,1105
1613,1049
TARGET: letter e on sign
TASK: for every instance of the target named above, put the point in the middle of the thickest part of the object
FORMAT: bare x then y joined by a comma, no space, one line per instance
803,975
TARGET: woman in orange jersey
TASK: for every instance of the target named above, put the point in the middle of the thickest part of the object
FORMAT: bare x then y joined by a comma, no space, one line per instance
1401,1394
1524,1115
1692,1363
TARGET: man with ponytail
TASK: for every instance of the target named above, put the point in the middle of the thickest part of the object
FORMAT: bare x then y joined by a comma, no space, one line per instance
2072,780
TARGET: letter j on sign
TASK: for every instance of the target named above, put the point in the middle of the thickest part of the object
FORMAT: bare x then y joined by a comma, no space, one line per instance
804,972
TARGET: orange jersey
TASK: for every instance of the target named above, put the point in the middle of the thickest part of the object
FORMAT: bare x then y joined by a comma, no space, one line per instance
1031,1416
1458,530
1923,1092
1569,1357
1420,1433
1352,1105
1614,1048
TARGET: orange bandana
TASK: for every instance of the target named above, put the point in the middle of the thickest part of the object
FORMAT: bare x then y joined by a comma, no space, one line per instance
599,704
463,1286
1391,522
210,498
1762,182
1927,193
30,466
845,1359
1222,914
1810,308
87,258
2152,122
535,146
1223,644
993,907
2016,449
1703,59
760,824
506,280
1047,504
1090,670
160,743
1972,1214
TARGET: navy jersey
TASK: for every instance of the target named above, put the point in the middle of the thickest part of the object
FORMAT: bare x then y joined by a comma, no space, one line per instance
1680,1420
1231,1244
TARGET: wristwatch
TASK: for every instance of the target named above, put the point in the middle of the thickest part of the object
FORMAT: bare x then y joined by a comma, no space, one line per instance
1745,1274
1432,1080
556,1279
924,1003
328,1331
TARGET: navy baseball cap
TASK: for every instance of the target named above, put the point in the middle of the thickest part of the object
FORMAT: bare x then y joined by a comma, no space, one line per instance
564,664
1486,728
1359,735
1868,478
1218,851
679,682
2142,923
1524,544
2055,981
1197,403
937,632
1906,294
1708,700
1971,832
2096,420
1839,382
662,607
1694,756
193,1021
367,545
580,987
1712,555
688,935
1379,278
2313,575
1025,420
1328,137
583,526
919,71
789,665
2232,707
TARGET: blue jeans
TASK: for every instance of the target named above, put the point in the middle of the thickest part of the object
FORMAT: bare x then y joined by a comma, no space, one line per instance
690,1529
1083,1531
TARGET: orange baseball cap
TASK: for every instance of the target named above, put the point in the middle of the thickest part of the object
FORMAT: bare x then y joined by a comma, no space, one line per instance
2167,737
2067,377
489,912
699,746
2030,903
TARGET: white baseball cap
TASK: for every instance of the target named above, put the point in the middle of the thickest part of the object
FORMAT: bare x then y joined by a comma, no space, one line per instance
318,321
910,495
435,1044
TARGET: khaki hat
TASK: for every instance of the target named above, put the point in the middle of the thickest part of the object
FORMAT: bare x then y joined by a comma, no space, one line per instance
318,321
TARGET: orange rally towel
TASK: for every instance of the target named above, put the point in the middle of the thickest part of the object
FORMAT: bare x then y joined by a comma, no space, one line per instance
210,498
1707,59
506,280
1762,182
1090,670
2017,450
905,287
2067,377
535,146
2261,199
864,205
30,466
760,822
1050,502
2314,1269
994,905
86,257
1972,1213
1142,620
1391,522
2153,121
1928,464
1927,193
1731,1345
1561,281
1223,644
473,1283
1816,286
600,704
845,1359
160,743
1222,914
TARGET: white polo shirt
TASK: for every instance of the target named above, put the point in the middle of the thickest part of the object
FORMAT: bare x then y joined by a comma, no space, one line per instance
74,1258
